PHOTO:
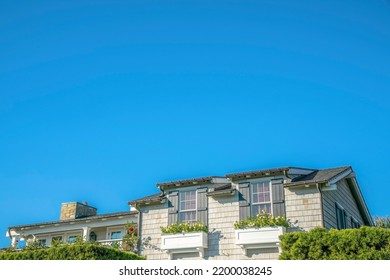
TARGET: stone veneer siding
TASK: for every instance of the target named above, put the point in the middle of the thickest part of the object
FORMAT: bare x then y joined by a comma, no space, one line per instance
303,207
153,217
344,197
74,210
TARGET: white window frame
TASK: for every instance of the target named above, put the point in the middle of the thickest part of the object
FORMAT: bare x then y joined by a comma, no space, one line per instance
110,230
188,210
47,239
251,184
56,235
72,233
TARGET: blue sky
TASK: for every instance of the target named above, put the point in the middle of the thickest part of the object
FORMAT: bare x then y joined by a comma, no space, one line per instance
100,100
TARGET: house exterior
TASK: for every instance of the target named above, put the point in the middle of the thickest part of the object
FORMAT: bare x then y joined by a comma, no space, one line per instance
76,219
308,198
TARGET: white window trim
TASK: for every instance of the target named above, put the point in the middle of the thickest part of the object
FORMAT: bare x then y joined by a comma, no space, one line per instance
270,195
56,235
73,233
196,204
46,237
114,229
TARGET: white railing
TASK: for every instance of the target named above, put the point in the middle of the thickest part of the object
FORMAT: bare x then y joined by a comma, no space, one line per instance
110,242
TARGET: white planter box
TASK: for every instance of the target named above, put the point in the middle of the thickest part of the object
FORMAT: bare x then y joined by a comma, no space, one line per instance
255,238
184,242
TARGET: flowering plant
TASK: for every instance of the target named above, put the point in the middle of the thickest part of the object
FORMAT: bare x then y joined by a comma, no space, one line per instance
263,219
184,227
130,240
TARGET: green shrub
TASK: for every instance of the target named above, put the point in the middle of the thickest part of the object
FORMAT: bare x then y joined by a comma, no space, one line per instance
261,220
85,251
365,243
184,227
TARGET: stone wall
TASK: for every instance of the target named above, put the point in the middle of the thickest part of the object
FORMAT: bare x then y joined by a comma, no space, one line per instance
75,210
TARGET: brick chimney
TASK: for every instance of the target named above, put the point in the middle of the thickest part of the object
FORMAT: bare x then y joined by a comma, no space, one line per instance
75,210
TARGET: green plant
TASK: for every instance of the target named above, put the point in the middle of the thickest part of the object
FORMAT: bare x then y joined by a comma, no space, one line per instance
184,227
365,243
382,222
130,239
261,220
34,245
85,251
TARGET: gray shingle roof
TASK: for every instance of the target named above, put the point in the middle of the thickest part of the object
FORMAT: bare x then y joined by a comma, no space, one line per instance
95,217
200,180
318,176
147,199
263,172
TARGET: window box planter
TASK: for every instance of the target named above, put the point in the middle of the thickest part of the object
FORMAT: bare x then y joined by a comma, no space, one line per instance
187,242
257,238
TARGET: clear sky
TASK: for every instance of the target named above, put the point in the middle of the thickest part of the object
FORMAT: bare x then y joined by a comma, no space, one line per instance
100,100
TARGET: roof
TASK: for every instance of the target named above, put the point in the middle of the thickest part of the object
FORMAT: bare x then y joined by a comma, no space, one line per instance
264,172
193,181
147,199
95,217
222,190
318,176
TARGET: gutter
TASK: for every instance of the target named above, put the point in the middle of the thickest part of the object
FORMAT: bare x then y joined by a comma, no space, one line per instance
139,245
321,205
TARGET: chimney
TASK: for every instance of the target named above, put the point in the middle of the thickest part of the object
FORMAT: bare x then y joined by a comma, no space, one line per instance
75,210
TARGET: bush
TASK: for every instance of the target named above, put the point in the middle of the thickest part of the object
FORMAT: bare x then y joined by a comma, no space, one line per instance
261,220
85,251
184,227
365,243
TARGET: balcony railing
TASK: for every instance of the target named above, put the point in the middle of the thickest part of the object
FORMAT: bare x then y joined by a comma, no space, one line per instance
111,242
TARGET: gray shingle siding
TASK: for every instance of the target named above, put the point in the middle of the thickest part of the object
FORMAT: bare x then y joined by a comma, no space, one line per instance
344,198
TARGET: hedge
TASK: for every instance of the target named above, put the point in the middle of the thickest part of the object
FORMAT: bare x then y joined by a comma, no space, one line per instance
365,243
71,252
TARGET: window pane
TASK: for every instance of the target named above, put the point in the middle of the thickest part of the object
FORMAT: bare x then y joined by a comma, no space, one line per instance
72,239
266,187
116,235
189,216
255,198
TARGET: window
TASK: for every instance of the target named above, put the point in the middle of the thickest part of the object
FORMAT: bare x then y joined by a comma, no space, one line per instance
56,239
341,217
115,235
261,198
42,242
354,223
72,239
187,209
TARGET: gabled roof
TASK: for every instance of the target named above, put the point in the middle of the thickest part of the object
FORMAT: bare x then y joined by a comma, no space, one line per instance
90,218
318,176
147,199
